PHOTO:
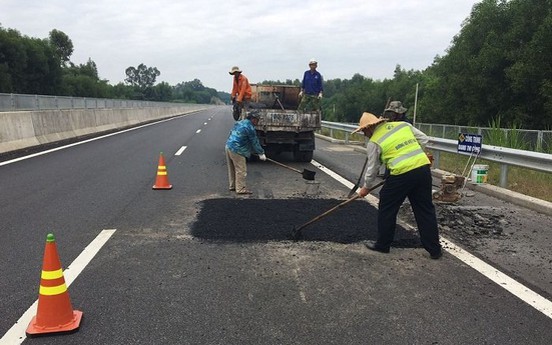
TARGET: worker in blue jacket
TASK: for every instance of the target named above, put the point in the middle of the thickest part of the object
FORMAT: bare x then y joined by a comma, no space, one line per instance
311,88
241,143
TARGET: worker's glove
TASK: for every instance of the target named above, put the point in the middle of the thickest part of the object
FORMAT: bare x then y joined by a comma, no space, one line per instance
262,157
320,95
300,94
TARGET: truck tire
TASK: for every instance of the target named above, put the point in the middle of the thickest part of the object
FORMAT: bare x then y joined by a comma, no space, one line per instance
302,156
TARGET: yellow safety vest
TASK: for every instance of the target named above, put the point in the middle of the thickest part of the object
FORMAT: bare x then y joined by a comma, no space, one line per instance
400,151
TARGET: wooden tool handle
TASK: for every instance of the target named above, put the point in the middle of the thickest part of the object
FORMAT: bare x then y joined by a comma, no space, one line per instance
283,165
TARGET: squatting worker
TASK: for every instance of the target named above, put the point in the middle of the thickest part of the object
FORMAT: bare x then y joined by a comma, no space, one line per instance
399,146
241,91
241,143
311,88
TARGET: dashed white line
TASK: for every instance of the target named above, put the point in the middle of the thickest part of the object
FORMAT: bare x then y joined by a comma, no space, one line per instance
179,152
509,284
16,334
198,131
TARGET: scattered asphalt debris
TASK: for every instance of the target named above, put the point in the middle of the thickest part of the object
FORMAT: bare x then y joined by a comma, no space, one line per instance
467,224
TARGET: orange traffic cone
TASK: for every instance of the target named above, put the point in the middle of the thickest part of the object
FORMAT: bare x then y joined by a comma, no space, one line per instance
162,180
54,313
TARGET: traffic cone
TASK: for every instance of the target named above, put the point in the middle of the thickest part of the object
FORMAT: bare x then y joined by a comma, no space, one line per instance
54,313
162,180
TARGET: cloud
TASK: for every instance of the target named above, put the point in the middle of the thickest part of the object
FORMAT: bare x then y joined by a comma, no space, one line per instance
186,40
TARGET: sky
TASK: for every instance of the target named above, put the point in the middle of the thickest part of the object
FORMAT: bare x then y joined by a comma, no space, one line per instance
268,40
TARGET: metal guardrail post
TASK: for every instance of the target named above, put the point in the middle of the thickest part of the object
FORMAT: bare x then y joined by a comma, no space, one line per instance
503,175
436,159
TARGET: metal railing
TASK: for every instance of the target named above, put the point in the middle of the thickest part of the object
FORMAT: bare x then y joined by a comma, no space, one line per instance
22,102
504,156
537,140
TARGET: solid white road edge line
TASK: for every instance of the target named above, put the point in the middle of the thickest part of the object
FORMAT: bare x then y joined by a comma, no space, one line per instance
517,289
16,334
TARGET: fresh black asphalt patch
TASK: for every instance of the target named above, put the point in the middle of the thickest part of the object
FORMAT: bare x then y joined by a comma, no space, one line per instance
262,220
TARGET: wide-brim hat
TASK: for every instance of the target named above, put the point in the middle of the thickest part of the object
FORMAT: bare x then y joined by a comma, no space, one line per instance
367,120
234,70
396,107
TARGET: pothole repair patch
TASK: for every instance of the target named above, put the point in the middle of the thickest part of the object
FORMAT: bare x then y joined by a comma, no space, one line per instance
262,220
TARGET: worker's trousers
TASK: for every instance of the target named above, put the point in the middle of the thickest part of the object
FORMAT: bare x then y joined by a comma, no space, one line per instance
309,103
416,185
237,171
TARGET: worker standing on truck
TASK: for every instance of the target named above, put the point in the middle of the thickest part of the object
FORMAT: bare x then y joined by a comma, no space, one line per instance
241,143
311,88
241,92
399,146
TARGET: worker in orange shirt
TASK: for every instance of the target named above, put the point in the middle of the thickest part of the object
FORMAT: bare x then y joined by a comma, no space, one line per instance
241,93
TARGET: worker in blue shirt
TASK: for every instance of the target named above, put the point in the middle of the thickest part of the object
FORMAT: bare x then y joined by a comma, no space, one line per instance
241,143
311,88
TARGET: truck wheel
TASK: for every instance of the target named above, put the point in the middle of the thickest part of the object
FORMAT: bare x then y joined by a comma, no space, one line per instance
302,156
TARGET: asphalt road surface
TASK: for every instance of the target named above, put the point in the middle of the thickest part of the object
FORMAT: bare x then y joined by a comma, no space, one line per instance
198,264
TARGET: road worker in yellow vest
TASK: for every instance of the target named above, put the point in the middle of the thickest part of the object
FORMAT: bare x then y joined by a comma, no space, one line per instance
400,146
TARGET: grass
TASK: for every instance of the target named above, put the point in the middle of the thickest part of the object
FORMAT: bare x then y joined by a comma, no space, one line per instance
512,138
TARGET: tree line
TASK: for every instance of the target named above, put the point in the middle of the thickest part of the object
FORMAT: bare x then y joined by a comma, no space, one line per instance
496,70
42,66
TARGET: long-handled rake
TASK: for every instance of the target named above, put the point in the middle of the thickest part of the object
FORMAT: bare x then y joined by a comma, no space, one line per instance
296,232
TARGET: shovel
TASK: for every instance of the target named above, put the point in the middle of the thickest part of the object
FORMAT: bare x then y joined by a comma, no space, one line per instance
296,232
307,174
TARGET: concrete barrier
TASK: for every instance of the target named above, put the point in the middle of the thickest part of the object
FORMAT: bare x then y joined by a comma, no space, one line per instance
25,129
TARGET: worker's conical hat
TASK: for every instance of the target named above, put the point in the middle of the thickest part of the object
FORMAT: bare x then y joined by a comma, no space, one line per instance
368,119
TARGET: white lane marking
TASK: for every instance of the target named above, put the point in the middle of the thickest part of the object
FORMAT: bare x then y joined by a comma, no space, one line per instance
16,334
371,199
205,123
515,288
198,131
86,141
179,152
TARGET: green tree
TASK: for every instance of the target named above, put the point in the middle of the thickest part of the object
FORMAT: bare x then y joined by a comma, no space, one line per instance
29,65
83,81
142,76
62,44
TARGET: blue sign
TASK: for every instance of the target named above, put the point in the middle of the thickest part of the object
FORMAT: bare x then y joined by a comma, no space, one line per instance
469,143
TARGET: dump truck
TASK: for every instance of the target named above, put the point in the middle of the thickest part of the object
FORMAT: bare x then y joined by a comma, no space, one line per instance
281,127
